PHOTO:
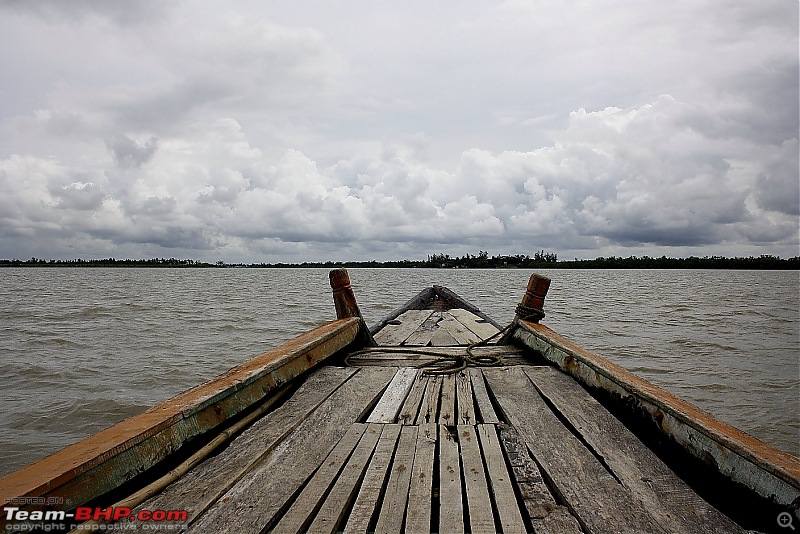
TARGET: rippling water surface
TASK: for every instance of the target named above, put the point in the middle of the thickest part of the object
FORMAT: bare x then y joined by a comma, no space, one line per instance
81,349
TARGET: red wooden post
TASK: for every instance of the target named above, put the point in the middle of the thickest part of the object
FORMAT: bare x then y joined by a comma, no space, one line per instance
343,297
530,308
345,301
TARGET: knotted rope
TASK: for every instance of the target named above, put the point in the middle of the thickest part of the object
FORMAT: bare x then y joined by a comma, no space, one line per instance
448,364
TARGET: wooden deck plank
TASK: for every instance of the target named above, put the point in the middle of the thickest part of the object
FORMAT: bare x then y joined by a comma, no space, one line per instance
483,404
343,492
429,409
544,513
676,506
392,352
451,514
500,482
466,407
255,501
461,334
418,518
443,338
410,409
393,506
479,504
743,459
447,406
98,463
410,357
370,492
392,399
396,334
420,361
481,328
302,510
203,485
599,501
423,334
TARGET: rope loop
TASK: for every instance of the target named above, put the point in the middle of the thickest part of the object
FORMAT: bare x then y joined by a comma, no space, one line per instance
529,314
449,364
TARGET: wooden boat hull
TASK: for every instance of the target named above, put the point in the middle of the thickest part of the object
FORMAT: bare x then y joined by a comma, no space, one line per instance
364,411
768,473
103,462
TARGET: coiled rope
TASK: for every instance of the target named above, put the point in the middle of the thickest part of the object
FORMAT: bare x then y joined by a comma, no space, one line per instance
448,364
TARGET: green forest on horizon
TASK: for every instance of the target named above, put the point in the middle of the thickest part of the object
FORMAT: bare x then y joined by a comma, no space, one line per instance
482,260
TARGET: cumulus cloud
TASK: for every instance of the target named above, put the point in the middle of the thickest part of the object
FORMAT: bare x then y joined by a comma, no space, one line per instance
128,153
232,132
78,196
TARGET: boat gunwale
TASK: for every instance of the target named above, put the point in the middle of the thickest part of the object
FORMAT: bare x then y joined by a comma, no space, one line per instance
152,435
764,457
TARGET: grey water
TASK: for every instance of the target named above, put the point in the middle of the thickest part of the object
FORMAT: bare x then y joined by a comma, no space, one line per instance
83,348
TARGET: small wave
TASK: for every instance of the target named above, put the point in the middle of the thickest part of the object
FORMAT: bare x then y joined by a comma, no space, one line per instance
714,387
698,344
93,311
644,371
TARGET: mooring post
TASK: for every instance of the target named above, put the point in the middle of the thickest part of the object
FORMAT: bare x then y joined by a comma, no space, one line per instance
345,301
532,304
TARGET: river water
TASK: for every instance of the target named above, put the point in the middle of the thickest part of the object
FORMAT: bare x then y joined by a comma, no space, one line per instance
83,348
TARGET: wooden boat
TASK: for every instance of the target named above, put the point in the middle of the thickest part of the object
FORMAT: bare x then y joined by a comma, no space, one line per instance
435,420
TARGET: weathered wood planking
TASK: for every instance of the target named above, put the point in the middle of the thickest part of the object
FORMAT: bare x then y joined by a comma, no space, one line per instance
479,505
423,334
499,481
478,326
302,510
410,409
418,516
392,399
203,485
466,408
429,409
370,490
451,515
406,357
391,352
393,506
443,338
460,333
343,492
255,501
483,404
767,471
103,461
544,513
413,360
447,401
599,501
671,501
409,322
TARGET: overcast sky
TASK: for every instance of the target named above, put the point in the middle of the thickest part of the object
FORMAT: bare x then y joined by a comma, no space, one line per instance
305,131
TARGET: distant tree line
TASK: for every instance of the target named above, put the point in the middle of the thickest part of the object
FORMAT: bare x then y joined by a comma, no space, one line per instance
539,260
763,262
483,261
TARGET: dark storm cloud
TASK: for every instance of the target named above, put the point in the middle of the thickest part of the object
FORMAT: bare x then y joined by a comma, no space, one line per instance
778,187
128,153
123,13
315,129
79,196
